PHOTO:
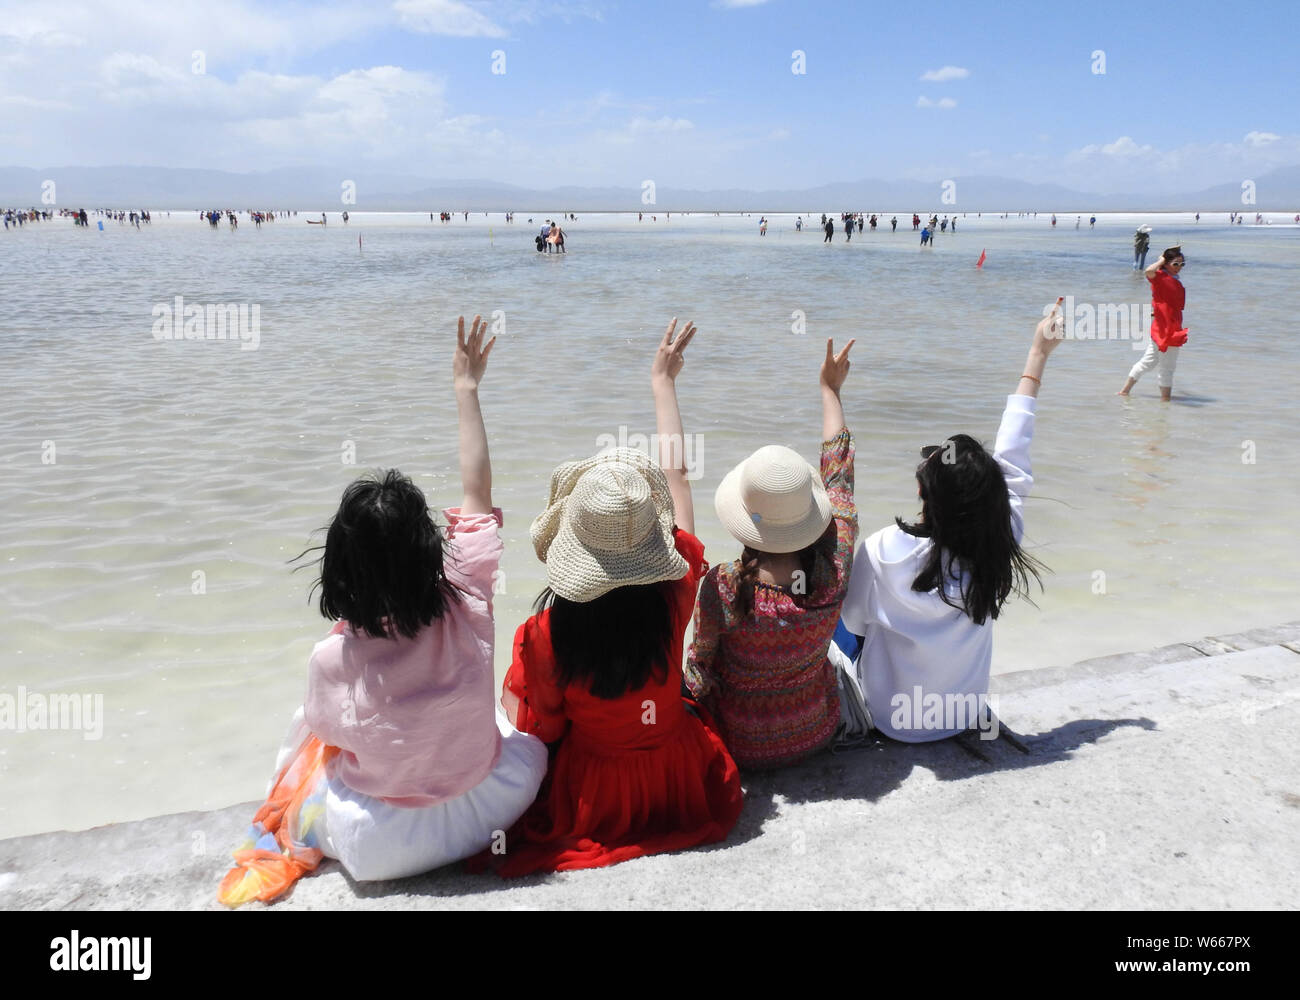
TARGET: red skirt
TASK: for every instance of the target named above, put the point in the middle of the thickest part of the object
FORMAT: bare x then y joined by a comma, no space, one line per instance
602,805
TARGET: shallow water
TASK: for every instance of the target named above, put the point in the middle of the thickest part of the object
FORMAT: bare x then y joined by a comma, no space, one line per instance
155,490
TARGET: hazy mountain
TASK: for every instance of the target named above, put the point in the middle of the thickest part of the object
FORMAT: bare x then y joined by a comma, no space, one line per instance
322,188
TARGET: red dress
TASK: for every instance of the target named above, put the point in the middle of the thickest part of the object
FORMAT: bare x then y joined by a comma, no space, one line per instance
633,775
1168,296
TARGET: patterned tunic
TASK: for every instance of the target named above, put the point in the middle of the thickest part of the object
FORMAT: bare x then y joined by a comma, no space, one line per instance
765,676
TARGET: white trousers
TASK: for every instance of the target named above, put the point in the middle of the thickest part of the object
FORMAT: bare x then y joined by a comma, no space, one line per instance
374,840
1162,361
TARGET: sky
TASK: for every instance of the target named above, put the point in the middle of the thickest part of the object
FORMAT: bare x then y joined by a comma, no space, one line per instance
701,94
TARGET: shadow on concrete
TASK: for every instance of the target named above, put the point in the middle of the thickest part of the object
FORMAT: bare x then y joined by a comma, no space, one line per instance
882,766
868,773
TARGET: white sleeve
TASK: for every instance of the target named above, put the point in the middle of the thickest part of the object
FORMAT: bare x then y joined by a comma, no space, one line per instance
858,612
1011,452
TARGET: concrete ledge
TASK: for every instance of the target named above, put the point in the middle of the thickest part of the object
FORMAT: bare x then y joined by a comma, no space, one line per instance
1163,780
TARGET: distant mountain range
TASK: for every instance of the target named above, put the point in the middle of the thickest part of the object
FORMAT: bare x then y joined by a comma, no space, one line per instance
323,189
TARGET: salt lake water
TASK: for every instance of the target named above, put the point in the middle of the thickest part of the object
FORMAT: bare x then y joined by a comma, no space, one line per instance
153,491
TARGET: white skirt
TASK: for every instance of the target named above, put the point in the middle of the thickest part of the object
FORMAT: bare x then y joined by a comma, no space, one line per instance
374,840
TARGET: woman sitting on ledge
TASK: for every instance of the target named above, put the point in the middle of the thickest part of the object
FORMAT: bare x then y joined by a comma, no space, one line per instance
637,768
922,597
399,760
763,624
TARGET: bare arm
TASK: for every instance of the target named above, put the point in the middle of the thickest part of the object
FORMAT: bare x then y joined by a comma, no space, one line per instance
1151,269
668,420
1047,335
475,463
835,369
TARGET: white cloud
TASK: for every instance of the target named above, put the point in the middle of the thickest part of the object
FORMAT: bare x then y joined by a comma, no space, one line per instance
1261,138
945,74
736,4
125,71
943,102
446,17
1122,147
778,134
380,112
1126,165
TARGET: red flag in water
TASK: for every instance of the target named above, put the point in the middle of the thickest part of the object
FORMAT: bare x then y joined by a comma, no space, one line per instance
980,262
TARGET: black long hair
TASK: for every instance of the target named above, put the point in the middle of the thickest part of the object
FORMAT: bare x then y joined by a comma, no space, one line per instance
382,565
966,513
811,559
615,643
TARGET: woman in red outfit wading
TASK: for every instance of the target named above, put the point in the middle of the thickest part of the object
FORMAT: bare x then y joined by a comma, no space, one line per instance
1167,331
597,670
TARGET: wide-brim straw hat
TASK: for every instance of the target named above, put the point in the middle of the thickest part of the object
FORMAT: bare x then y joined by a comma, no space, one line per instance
773,501
608,523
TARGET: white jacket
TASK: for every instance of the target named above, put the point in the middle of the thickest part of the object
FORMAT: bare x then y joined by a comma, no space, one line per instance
921,657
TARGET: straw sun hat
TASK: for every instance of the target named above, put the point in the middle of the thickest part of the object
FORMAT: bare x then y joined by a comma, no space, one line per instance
774,501
608,523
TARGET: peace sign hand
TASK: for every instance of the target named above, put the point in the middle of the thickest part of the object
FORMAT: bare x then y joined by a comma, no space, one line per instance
835,367
669,359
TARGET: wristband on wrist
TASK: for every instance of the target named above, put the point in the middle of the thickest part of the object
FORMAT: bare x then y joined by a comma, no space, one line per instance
1032,378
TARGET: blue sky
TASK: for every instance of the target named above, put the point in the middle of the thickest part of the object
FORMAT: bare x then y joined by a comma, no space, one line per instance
692,93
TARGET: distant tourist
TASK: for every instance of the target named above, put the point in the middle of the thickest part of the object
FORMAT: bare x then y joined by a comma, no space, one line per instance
1141,243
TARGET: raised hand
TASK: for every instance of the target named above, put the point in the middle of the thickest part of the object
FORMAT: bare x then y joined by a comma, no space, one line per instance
835,369
471,356
1050,331
475,464
669,359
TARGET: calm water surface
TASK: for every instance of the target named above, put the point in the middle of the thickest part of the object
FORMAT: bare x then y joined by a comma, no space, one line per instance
154,492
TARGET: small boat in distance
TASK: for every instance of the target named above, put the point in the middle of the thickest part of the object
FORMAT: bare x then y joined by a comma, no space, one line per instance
317,222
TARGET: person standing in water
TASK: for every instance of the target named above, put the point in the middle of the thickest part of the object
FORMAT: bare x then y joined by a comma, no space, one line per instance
1167,331
829,228
1141,242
